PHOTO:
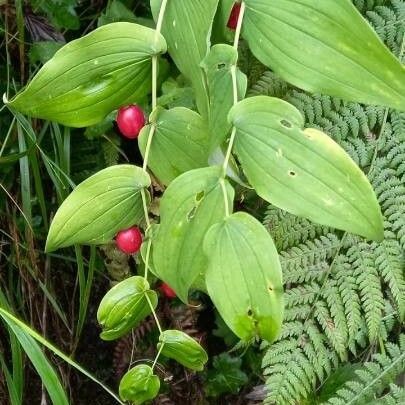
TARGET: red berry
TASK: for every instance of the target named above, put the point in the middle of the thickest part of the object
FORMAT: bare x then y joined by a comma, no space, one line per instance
129,240
167,291
130,121
233,17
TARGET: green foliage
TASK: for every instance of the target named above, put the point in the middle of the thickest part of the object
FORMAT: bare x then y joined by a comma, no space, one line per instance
225,376
139,385
243,277
61,12
85,81
43,51
180,142
190,206
302,171
342,294
116,11
187,29
181,347
373,378
99,207
276,38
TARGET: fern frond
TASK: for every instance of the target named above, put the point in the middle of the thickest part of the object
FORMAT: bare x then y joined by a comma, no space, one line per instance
289,230
373,377
344,295
395,396
310,253
389,23
391,266
366,5
269,84
362,259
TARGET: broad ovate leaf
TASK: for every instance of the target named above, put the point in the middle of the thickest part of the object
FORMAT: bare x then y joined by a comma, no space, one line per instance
99,207
244,277
180,142
218,66
325,46
303,171
187,29
190,205
93,75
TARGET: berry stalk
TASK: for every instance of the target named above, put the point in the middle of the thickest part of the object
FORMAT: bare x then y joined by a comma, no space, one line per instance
235,101
155,61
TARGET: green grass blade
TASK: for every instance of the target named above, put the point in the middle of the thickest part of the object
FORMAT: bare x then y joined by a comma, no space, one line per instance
45,370
8,316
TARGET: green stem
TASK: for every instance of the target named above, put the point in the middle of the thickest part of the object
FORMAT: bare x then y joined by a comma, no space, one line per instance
234,87
154,313
148,145
226,202
235,101
157,356
155,61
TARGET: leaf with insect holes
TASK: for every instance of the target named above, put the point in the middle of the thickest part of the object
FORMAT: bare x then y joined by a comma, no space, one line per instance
302,171
218,65
99,207
93,75
190,205
244,277
180,142
187,29
327,47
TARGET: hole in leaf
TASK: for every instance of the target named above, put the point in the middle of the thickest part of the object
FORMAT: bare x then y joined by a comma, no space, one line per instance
191,213
286,124
221,65
270,288
250,313
292,173
199,196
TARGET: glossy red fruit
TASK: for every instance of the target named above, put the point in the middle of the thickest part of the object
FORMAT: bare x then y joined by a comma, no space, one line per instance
167,291
233,17
129,240
130,121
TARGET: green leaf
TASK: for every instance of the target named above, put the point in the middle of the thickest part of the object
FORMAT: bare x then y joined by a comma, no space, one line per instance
220,31
10,318
116,11
177,93
92,75
139,385
244,277
179,143
43,51
325,46
61,12
190,205
38,359
99,207
187,29
181,347
125,306
217,66
302,171
226,376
